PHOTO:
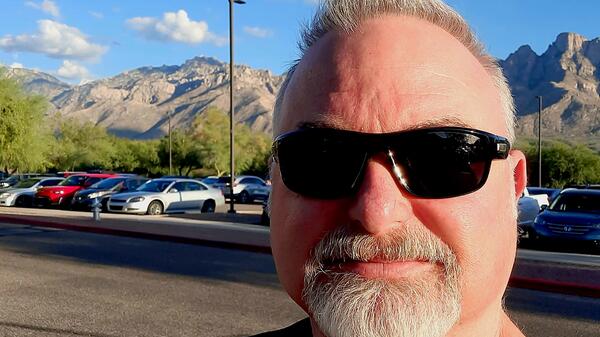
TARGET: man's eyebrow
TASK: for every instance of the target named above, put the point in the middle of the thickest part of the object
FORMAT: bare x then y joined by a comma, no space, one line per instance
441,122
317,125
433,123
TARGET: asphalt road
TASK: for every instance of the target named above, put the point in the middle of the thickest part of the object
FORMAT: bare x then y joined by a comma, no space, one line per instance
62,283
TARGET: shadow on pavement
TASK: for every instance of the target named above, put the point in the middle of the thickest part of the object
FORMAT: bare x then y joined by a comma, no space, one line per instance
159,256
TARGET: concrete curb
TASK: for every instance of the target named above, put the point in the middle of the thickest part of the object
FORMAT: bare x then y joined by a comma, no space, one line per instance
522,280
135,234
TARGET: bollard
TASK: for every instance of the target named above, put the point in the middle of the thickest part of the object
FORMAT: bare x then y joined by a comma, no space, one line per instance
96,208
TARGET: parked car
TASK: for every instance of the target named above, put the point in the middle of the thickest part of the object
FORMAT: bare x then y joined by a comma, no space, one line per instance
21,194
529,206
245,188
62,194
210,180
16,178
102,190
552,193
573,216
160,196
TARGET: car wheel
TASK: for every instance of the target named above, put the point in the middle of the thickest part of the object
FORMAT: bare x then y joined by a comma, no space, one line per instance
20,202
104,203
155,208
208,206
244,197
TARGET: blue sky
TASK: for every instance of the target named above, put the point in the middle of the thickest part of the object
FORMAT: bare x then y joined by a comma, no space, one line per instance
83,40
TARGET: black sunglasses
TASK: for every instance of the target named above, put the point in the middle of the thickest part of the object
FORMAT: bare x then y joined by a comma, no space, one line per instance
444,162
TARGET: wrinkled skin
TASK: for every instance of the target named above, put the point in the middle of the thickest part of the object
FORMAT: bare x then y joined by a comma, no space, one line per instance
396,73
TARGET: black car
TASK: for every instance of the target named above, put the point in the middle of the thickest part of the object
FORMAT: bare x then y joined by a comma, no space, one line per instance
102,190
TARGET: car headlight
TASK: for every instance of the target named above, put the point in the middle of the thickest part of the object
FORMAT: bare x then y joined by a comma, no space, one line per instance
94,195
136,199
59,192
5,195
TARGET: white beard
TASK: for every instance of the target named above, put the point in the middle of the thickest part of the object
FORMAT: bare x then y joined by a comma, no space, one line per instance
349,305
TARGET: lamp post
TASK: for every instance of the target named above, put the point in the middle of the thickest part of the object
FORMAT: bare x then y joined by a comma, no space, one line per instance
231,110
539,141
170,145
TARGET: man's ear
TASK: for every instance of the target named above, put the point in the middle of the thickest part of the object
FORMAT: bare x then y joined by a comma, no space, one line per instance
519,167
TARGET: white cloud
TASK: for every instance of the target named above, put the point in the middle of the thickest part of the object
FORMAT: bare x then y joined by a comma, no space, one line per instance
175,27
56,40
16,65
47,6
73,71
97,15
258,32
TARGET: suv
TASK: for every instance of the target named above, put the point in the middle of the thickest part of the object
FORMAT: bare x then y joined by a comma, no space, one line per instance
573,216
245,188
62,194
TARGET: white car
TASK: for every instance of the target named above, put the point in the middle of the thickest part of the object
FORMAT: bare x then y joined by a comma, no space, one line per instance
529,207
160,196
245,188
21,194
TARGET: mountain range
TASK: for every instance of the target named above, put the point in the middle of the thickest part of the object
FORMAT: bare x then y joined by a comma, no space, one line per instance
136,103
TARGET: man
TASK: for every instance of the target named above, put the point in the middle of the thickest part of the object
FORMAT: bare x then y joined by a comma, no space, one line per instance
393,209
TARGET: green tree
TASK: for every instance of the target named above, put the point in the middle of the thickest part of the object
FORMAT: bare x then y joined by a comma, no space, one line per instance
211,133
82,146
562,163
185,153
24,137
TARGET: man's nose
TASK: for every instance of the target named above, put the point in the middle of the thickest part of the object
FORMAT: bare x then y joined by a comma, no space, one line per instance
381,203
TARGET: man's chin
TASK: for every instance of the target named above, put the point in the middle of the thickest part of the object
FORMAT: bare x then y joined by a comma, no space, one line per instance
348,304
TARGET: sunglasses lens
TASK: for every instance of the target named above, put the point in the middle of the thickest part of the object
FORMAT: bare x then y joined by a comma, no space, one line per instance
444,164
319,166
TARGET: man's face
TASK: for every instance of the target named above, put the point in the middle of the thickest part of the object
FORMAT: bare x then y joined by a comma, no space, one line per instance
397,73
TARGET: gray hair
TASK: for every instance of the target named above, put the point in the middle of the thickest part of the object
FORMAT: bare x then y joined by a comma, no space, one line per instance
346,16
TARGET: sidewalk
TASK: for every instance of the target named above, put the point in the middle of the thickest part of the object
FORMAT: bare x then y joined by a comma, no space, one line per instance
546,271
240,231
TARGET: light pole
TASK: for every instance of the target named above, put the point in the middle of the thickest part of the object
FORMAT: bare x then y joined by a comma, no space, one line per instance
170,145
231,111
539,141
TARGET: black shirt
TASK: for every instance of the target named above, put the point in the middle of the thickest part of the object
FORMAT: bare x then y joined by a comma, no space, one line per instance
298,329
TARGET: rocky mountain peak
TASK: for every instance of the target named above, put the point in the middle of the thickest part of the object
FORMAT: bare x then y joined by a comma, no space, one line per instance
569,42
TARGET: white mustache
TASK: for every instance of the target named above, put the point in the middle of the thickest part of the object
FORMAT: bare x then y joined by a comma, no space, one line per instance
407,243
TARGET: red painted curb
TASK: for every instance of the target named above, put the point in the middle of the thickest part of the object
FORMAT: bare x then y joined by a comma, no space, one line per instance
569,288
545,285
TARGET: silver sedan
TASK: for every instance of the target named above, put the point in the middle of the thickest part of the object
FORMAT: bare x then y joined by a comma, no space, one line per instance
22,193
160,196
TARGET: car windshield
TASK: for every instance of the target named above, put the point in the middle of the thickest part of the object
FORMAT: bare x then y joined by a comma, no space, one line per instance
155,186
580,203
11,179
107,184
27,183
72,181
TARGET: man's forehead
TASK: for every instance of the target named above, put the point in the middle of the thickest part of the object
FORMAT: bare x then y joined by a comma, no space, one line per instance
384,83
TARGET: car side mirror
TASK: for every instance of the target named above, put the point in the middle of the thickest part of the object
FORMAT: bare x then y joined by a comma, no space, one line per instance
173,190
543,207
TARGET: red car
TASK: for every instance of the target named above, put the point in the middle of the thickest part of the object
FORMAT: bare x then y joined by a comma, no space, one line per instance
61,194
